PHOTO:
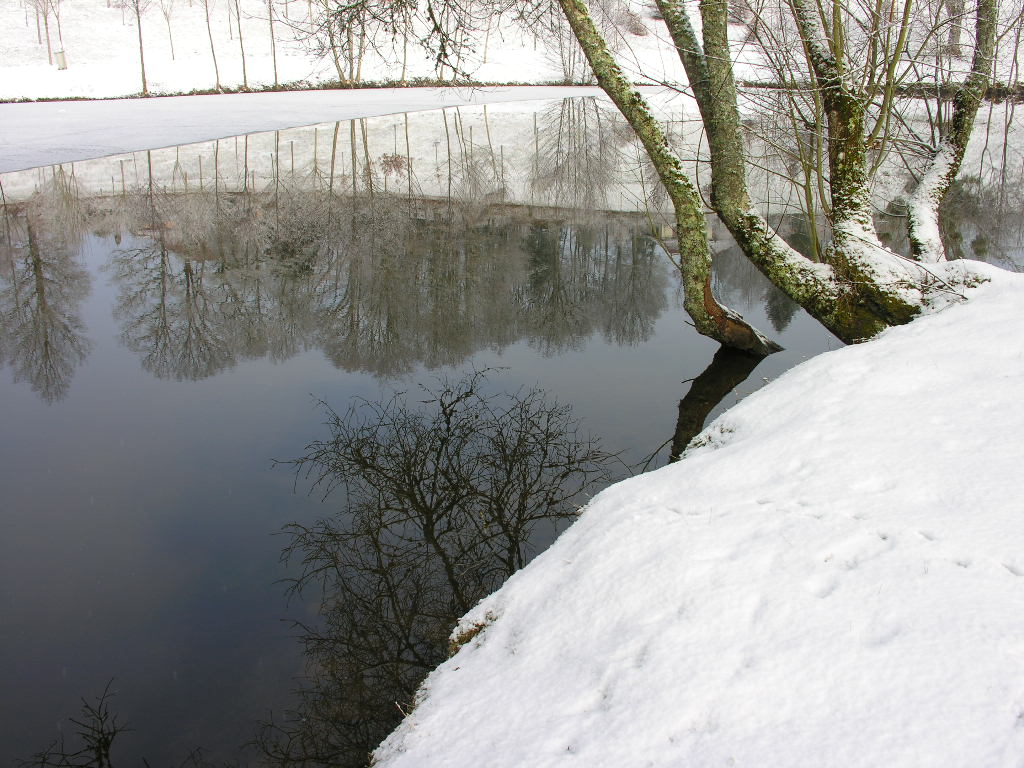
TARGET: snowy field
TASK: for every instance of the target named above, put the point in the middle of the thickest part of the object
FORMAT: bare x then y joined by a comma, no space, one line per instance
101,48
834,577
47,133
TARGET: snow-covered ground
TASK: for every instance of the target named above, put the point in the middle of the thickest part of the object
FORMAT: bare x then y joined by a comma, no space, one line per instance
834,577
47,133
101,47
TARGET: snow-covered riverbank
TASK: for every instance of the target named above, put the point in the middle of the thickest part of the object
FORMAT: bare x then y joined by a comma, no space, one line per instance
835,577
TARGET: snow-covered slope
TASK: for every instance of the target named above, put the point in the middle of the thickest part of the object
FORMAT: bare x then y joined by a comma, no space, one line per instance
834,578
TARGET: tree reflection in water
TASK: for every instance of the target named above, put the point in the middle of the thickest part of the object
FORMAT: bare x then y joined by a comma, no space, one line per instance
728,369
585,279
42,286
441,499
579,151
381,284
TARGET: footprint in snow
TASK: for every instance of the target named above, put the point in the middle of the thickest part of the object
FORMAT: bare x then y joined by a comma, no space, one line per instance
822,586
880,636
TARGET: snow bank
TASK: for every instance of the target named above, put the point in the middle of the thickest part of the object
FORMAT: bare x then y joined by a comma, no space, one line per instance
835,577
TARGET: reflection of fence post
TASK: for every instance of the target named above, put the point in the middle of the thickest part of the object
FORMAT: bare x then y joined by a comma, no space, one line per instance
408,156
490,147
316,166
216,173
448,139
536,155
277,170
354,155
366,156
334,153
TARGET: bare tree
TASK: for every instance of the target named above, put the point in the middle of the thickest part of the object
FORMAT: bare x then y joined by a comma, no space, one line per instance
167,10
139,7
273,40
97,729
708,315
241,43
42,9
860,286
42,336
55,6
207,5
440,500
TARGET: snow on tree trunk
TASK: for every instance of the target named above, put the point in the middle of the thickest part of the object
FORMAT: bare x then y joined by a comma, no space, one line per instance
883,283
923,223
709,70
923,214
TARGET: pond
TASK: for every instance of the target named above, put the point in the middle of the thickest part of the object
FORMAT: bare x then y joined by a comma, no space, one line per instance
174,322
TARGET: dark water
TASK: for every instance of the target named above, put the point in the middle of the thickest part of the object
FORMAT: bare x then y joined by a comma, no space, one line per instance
161,348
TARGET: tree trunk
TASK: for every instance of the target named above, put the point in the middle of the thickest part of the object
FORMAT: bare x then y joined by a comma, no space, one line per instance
710,318
56,16
46,26
350,50
213,51
360,55
709,70
406,24
241,44
273,42
142,59
873,273
333,43
923,221
170,37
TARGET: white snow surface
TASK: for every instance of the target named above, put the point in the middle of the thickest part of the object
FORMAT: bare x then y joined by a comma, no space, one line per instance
47,133
835,577
101,49
923,206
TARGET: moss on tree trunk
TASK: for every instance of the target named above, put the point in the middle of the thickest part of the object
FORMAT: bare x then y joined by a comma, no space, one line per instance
709,317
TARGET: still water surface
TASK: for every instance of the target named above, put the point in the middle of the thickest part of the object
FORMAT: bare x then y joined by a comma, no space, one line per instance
164,341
